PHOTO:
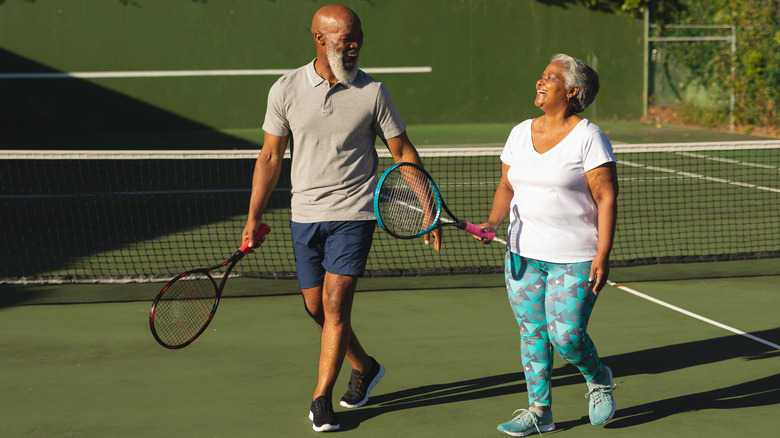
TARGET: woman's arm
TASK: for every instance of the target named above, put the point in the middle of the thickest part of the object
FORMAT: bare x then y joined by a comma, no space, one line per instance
603,185
501,203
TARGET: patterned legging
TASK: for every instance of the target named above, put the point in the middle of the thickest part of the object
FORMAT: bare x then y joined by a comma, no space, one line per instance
552,305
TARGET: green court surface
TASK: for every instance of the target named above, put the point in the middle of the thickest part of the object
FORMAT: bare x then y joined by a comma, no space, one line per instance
452,358
619,131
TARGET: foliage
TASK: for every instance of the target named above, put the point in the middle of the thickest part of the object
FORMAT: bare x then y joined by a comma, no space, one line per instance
753,72
662,11
709,118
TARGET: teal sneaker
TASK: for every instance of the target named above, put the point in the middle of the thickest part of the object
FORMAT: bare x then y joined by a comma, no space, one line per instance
602,402
527,422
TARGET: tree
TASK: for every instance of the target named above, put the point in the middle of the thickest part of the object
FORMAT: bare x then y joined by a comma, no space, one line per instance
753,72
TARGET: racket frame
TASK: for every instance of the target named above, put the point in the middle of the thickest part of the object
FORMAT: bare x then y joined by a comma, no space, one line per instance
232,261
440,204
437,197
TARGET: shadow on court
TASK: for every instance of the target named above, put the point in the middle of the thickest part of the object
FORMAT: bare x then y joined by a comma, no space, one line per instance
759,392
56,212
73,113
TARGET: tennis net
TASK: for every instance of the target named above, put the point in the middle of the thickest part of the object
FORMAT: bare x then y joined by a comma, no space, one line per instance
91,216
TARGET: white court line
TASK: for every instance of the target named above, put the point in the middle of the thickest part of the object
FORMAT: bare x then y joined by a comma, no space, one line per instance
693,315
697,176
188,73
728,160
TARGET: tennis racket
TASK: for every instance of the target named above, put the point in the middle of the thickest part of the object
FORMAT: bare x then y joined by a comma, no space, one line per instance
408,204
187,304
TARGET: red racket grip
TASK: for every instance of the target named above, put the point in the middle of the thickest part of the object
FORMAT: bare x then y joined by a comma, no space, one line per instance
264,229
477,231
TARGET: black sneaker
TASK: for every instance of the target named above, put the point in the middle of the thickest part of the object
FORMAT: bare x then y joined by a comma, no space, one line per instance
360,386
322,416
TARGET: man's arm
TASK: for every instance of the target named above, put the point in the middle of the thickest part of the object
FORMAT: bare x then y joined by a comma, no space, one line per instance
402,150
267,170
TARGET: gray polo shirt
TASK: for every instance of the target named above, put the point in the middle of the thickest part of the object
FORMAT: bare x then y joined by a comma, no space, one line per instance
332,131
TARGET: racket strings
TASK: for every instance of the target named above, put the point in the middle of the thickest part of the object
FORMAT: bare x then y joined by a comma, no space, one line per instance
407,203
185,308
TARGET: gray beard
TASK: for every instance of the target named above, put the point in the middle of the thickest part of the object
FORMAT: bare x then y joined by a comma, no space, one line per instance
337,67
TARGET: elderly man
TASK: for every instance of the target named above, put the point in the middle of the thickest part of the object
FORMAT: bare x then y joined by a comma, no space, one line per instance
333,111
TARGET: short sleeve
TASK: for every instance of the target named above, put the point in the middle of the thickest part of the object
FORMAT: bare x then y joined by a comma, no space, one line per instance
388,122
276,122
517,136
506,154
597,150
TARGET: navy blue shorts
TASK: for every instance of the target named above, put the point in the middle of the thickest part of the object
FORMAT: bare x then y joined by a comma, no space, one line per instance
339,247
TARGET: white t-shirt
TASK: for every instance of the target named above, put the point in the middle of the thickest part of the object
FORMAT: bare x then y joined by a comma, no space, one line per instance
553,216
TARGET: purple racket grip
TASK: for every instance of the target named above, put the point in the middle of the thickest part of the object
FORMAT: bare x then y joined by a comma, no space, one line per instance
477,231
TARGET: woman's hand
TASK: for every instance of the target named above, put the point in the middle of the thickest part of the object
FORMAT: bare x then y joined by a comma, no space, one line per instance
599,273
487,228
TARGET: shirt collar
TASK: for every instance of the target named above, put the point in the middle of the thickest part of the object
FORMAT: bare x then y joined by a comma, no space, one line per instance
315,79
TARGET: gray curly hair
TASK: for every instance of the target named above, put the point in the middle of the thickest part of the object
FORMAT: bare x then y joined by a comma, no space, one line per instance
577,74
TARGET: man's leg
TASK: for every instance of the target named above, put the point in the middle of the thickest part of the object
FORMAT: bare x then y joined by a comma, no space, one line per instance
331,306
329,258
356,355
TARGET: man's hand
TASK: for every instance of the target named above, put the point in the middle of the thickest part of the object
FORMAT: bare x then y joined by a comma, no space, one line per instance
436,239
250,231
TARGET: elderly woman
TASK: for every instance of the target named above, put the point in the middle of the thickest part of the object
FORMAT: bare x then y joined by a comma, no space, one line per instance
559,187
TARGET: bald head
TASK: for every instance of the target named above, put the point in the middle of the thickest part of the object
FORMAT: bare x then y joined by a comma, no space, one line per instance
331,18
